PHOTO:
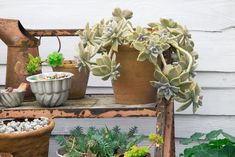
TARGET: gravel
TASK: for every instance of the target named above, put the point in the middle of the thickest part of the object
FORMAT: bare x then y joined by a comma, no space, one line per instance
25,126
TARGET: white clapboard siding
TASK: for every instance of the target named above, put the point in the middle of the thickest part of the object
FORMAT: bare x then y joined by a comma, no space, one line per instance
208,45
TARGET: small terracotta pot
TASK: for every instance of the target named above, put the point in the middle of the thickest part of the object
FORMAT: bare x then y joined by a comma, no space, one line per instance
33,143
133,86
79,80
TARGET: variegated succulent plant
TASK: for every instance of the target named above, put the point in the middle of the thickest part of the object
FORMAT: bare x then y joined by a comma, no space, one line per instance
167,45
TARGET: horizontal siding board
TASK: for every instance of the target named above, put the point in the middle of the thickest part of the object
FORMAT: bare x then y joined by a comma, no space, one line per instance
209,79
211,50
216,13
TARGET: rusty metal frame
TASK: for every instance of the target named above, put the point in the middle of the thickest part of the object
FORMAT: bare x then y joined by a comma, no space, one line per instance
164,111
90,108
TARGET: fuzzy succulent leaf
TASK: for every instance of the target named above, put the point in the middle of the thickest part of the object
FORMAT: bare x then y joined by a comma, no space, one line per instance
106,67
119,14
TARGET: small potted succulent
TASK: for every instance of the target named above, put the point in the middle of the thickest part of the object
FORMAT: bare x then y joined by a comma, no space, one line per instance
80,79
50,89
26,137
135,151
102,142
59,64
143,63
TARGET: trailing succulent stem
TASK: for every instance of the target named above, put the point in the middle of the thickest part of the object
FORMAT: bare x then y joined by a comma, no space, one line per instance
167,45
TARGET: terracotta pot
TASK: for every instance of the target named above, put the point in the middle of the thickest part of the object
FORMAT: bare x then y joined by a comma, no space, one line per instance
19,43
133,86
33,143
79,80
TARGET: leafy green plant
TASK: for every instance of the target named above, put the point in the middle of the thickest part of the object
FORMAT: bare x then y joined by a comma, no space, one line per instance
165,44
55,59
134,151
210,145
102,142
33,65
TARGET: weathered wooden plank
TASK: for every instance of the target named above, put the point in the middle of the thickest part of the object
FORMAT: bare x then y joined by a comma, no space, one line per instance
89,107
216,101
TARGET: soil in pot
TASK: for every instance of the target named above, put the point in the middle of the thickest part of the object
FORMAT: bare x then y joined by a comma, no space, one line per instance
79,80
33,143
133,86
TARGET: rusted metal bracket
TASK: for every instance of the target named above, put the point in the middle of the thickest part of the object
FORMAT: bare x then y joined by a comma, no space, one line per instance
165,127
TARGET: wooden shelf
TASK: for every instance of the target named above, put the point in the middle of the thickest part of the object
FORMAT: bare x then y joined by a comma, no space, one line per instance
94,106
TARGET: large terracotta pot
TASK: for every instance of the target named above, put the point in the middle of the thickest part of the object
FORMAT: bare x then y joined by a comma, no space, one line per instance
133,86
79,80
28,144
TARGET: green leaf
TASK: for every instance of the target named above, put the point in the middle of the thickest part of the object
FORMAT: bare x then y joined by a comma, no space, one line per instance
184,76
185,85
213,134
138,46
186,141
160,77
184,106
229,137
196,136
142,56
175,81
174,72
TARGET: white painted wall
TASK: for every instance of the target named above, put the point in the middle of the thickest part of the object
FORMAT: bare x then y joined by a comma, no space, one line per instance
206,20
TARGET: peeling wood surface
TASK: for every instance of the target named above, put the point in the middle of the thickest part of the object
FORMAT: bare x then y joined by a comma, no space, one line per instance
90,107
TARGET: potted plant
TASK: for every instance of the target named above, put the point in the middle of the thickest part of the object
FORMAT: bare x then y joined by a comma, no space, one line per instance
144,62
102,142
135,151
58,64
80,79
216,143
26,137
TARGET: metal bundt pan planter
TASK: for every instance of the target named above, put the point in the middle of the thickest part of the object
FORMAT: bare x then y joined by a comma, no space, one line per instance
50,93
11,99
27,144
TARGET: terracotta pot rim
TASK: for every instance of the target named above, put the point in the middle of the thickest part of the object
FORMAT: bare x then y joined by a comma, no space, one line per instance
37,132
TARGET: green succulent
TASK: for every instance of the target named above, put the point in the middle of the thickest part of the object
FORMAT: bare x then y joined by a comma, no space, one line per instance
102,142
166,44
55,59
137,152
84,56
34,64
119,14
114,34
89,35
106,67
